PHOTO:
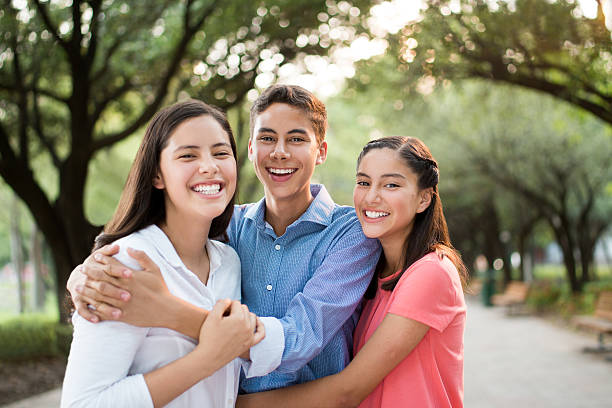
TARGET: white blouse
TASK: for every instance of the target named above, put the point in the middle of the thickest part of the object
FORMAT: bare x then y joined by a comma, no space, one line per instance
108,359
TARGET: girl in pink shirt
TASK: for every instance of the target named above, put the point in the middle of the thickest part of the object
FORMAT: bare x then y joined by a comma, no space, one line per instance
409,341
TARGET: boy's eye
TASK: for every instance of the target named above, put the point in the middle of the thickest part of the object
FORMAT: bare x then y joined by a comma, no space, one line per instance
297,139
266,138
362,183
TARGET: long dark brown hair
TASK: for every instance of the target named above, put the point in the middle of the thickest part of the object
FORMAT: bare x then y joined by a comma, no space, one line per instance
429,231
141,204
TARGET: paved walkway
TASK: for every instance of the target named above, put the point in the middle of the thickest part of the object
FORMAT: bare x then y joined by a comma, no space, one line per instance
524,361
509,362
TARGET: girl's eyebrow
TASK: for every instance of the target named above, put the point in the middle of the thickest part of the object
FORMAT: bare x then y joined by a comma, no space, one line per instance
186,147
221,144
393,175
360,174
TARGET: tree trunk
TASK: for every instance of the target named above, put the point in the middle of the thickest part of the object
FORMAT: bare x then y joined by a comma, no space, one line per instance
17,253
565,241
36,262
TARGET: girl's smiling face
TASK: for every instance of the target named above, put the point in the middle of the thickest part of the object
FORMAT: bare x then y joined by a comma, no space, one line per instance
387,196
197,169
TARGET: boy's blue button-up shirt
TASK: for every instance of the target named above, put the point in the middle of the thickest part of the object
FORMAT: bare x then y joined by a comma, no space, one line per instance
311,278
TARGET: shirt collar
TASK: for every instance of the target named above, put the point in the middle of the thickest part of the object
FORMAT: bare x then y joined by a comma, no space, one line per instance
319,211
164,246
168,252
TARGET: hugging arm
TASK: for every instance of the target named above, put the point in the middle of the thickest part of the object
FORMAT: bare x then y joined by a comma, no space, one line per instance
392,341
329,298
138,297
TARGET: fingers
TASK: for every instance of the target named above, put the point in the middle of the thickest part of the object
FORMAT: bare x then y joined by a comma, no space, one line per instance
99,308
220,308
143,259
81,308
108,291
109,266
108,250
92,291
260,332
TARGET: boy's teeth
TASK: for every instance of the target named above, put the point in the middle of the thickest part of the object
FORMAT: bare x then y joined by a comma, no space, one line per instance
281,171
208,188
375,214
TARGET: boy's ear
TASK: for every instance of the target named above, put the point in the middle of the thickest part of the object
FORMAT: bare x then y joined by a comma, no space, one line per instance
158,182
322,153
424,199
250,149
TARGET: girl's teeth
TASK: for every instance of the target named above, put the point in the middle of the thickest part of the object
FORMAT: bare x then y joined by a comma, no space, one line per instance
281,171
375,214
208,188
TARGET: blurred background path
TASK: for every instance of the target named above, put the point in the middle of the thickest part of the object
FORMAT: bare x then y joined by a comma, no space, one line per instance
524,361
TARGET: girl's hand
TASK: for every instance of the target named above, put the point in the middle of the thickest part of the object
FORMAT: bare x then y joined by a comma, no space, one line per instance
98,286
228,331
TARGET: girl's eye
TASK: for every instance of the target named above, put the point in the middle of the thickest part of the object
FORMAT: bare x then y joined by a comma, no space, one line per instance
186,156
391,185
222,154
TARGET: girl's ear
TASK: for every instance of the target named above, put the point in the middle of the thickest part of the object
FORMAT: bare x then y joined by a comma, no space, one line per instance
158,182
424,199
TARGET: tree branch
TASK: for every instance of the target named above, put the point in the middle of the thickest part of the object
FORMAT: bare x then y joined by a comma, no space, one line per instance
108,98
51,27
41,135
162,90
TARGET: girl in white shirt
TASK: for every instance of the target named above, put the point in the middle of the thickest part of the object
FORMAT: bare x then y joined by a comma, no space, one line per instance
179,193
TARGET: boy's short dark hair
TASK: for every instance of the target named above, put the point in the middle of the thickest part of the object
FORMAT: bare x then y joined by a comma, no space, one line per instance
295,96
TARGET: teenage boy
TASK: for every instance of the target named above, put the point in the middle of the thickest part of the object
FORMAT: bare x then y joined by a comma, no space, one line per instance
305,260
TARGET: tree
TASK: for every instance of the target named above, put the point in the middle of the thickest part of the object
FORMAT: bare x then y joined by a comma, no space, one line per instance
538,44
553,158
77,77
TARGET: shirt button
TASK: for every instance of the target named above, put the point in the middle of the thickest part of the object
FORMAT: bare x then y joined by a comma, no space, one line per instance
277,247
269,287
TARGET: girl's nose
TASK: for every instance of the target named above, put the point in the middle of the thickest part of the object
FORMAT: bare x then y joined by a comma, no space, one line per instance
208,167
373,195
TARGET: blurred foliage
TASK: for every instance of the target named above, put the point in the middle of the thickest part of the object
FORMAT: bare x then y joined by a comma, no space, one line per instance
539,44
513,161
77,77
33,336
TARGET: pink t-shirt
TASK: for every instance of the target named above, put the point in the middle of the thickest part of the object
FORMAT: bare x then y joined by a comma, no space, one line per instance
431,375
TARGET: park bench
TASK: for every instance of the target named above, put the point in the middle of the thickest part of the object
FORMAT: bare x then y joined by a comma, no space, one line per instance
600,322
513,298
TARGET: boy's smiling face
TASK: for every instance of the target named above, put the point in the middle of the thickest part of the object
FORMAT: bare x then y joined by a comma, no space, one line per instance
284,151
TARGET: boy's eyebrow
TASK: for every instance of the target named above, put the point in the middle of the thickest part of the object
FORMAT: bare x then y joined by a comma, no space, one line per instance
265,129
360,174
270,130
